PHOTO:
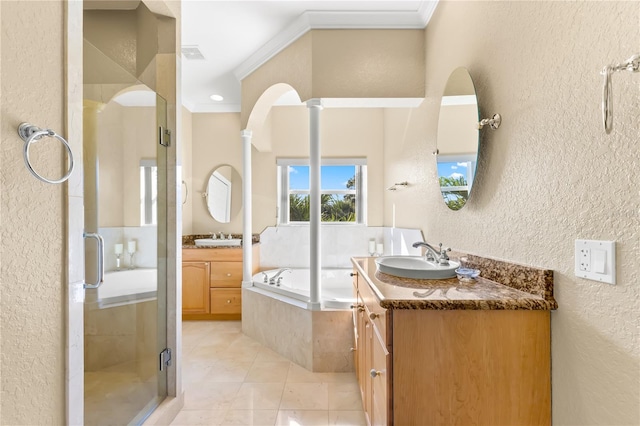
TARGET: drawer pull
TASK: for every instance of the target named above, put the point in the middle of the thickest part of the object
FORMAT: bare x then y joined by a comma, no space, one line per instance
228,300
373,315
352,349
360,308
374,373
229,275
353,274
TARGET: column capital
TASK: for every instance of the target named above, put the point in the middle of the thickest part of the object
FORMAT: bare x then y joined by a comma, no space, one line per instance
315,103
246,133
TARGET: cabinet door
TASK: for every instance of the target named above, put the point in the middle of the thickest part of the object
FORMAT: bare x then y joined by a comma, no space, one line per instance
195,287
379,380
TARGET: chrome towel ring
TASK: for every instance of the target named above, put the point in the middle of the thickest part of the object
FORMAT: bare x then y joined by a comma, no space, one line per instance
31,134
633,65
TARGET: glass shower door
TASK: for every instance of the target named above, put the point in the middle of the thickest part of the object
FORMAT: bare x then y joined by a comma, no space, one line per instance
125,202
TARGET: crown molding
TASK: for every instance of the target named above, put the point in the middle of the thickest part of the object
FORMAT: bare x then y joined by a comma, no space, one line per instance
336,20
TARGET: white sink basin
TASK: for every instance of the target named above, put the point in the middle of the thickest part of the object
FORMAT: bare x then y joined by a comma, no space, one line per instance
210,242
415,267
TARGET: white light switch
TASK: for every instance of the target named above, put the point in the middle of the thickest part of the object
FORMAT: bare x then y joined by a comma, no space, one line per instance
596,260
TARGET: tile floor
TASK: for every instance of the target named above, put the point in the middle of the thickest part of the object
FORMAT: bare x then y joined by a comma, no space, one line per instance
230,379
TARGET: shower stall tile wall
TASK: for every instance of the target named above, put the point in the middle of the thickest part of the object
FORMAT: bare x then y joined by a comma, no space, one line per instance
289,245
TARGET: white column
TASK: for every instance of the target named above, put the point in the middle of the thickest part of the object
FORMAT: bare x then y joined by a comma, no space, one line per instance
247,236
315,106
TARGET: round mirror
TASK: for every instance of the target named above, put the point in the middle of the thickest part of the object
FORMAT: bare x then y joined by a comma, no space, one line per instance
224,193
457,141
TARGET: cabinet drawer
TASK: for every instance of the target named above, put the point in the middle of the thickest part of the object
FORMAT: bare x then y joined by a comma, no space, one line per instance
226,301
377,314
226,274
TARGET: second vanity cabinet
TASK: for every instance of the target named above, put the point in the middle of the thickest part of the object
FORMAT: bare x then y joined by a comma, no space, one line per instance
420,365
212,280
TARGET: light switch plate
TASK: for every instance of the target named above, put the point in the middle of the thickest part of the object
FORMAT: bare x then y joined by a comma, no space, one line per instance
596,260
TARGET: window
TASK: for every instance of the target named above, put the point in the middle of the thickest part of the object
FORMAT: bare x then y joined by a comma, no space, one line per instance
456,177
148,192
342,191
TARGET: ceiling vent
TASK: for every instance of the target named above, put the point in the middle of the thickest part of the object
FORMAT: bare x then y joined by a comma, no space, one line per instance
192,52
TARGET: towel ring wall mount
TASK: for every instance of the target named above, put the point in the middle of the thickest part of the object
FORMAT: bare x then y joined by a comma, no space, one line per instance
31,134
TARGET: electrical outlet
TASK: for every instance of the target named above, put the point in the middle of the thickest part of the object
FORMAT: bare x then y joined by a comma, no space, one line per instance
596,260
585,259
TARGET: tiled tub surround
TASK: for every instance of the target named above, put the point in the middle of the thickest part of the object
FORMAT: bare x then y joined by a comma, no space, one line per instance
289,245
146,238
320,341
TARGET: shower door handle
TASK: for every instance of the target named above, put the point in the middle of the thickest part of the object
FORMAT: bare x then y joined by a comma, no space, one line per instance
100,241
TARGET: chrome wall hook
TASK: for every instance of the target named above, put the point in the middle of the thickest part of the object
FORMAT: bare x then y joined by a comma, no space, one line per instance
494,122
632,65
31,134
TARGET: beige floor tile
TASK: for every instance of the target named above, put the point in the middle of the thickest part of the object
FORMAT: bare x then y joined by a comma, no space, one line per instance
268,372
228,372
347,418
258,396
305,396
250,417
344,396
195,371
212,396
199,417
302,418
299,374
266,355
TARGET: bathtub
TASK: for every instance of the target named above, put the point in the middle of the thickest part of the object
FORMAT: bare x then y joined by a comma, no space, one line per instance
336,288
127,286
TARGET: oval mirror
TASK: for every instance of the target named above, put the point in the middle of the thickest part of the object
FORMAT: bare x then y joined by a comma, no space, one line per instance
224,193
457,140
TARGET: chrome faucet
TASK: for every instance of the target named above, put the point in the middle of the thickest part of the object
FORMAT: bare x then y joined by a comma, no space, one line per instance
277,278
433,255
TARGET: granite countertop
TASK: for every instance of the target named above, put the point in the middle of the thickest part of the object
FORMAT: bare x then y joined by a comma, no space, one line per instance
528,290
188,241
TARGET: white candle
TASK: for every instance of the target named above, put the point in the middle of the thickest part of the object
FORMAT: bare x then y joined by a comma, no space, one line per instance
119,248
131,246
380,249
372,246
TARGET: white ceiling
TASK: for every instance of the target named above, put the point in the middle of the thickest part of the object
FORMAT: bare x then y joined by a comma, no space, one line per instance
236,37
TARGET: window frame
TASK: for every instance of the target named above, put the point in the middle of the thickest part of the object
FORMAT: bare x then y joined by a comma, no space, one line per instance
360,192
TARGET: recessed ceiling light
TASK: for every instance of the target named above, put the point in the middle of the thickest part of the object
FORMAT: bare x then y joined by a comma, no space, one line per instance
216,98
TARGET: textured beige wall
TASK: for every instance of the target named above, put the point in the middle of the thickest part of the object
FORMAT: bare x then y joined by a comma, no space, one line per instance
291,66
344,133
216,142
343,64
549,175
368,64
32,230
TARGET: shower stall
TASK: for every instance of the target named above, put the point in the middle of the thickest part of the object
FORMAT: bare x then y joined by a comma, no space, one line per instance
126,148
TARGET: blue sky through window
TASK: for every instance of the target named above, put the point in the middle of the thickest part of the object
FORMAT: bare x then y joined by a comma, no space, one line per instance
454,169
332,177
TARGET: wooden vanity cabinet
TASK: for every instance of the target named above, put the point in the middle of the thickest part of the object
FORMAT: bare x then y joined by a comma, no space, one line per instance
195,287
212,281
451,367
